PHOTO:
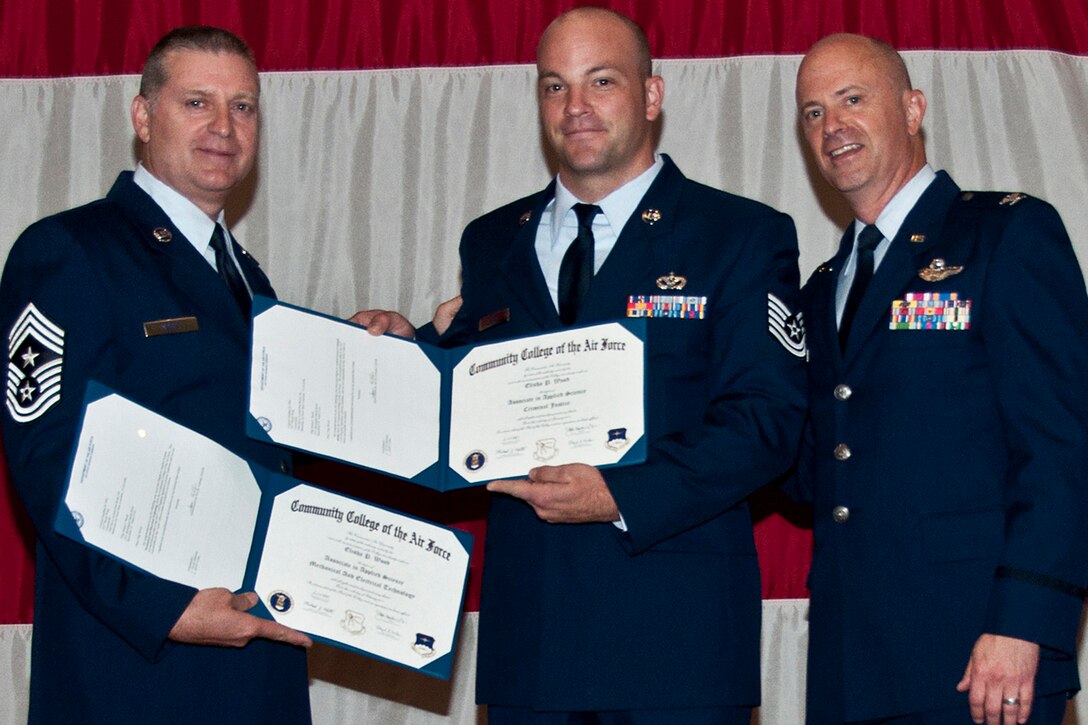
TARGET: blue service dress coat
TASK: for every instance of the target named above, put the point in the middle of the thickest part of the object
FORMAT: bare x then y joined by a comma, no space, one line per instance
97,274
666,615
947,466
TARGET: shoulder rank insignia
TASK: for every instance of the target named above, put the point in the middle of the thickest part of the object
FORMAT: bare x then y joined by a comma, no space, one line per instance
651,216
671,281
35,359
938,270
525,217
1013,198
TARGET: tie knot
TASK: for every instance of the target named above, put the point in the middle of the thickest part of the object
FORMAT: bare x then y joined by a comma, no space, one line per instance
218,243
870,237
585,214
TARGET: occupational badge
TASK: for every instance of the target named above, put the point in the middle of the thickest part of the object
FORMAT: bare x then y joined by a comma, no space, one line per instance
651,216
35,360
938,270
917,238
671,281
786,327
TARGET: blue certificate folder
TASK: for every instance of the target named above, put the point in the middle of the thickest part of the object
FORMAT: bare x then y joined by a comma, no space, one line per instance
447,419
167,501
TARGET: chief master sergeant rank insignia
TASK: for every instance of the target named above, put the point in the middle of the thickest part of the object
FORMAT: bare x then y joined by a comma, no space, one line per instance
35,357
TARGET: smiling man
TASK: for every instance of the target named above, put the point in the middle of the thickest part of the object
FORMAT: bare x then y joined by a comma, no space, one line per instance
146,292
949,419
632,595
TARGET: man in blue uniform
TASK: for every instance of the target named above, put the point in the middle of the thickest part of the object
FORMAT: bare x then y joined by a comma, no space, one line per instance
146,292
632,595
948,424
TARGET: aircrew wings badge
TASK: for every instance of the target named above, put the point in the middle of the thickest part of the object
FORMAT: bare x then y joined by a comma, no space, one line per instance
35,359
786,327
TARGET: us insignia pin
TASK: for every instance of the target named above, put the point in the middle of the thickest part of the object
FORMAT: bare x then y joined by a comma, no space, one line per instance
938,270
525,217
162,235
651,216
1011,199
35,359
671,281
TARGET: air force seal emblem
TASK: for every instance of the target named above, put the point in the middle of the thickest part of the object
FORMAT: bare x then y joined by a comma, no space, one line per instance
786,327
35,359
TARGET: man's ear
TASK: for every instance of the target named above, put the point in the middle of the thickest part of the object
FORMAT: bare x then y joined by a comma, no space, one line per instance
141,118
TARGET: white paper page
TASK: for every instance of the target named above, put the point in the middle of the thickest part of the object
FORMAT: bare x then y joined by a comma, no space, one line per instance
575,396
334,389
162,497
376,580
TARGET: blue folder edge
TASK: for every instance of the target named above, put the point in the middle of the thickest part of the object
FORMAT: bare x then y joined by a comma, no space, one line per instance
271,484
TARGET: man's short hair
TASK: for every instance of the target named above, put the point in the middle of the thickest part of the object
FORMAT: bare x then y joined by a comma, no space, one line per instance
190,37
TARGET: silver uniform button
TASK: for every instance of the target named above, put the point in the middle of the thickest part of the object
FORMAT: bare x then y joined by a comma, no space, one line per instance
842,452
840,514
843,392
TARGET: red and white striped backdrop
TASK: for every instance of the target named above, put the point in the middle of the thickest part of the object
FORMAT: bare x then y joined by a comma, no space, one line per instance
381,83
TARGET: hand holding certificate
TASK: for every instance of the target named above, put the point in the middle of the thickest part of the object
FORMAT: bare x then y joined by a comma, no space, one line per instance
447,418
150,492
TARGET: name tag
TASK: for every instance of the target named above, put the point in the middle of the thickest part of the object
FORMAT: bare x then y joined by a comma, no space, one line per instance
170,326
495,318
931,311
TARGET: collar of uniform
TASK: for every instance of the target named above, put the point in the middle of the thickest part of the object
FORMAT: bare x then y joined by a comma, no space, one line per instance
616,208
193,223
895,211
891,217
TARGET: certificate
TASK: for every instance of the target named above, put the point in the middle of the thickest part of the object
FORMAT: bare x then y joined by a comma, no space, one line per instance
447,419
164,499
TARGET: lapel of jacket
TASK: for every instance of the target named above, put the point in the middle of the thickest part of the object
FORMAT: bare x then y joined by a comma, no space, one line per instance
193,277
521,267
901,262
821,289
632,257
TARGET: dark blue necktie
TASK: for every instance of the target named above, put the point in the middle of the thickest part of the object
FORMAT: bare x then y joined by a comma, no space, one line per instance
576,271
228,271
863,272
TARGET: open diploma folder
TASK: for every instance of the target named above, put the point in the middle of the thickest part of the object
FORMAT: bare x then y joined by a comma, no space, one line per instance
164,499
447,419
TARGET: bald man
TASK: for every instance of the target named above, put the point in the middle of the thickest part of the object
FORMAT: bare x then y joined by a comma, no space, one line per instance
632,595
949,419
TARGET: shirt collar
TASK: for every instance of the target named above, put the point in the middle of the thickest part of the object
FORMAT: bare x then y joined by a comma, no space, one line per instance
895,211
616,208
193,223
